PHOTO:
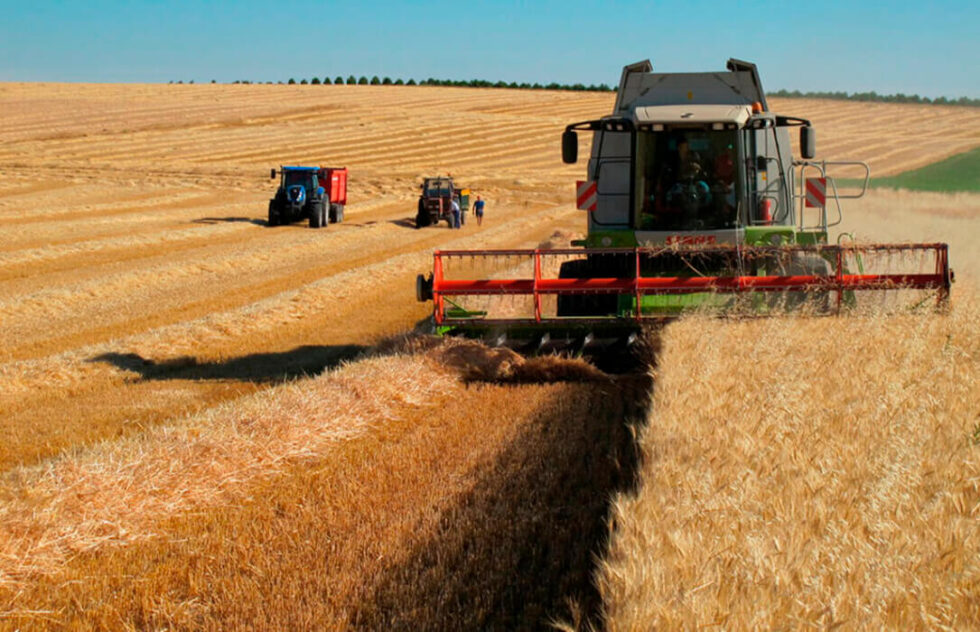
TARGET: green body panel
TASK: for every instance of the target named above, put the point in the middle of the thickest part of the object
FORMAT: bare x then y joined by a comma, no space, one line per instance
609,239
754,236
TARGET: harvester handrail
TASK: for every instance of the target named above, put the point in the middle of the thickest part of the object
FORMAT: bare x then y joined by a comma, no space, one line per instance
821,167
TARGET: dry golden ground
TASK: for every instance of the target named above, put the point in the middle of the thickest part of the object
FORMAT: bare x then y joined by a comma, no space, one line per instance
432,495
158,473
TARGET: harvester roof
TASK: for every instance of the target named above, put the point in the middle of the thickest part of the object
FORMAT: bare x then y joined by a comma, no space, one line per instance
693,113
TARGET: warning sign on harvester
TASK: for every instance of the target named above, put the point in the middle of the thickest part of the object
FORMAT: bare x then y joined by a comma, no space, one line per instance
816,192
585,194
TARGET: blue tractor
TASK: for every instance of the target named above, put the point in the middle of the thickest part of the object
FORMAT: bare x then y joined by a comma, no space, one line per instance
308,192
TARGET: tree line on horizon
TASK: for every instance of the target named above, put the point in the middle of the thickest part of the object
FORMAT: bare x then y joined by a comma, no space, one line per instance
602,87
874,96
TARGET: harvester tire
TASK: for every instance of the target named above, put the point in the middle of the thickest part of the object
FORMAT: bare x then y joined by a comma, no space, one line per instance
816,302
583,304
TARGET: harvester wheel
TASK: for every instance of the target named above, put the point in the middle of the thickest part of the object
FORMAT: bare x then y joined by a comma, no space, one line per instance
583,304
423,288
817,302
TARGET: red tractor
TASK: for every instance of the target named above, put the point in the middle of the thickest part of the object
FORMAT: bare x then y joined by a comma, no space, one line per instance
435,202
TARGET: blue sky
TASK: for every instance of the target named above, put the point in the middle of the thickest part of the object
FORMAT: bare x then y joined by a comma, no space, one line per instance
911,47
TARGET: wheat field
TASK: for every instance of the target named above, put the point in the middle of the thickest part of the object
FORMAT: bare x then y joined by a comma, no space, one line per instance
204,427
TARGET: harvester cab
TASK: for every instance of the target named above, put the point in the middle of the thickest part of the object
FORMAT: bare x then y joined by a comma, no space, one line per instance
318,194
435,202
697,159
694,201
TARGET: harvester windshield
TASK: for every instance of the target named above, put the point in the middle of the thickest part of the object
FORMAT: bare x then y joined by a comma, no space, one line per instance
687,179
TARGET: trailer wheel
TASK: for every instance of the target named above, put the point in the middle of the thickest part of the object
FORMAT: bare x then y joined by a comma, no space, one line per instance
336,213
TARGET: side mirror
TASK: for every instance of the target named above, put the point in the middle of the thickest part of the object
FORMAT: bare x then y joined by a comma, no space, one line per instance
569,147
808,142
272,175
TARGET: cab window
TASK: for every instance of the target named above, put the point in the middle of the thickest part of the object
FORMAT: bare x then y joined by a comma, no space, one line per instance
686,179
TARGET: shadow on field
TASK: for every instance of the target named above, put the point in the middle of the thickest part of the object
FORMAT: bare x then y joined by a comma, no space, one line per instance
405,222
257,367
218,220
520,547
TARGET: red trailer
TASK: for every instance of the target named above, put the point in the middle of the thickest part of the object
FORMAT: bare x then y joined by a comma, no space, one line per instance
334,180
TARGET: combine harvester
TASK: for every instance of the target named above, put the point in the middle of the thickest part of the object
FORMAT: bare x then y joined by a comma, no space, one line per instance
695,202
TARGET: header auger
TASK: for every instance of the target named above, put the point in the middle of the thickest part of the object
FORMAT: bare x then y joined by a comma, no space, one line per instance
694,202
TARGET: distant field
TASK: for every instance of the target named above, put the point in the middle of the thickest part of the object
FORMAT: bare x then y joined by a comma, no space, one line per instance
956,173
195,431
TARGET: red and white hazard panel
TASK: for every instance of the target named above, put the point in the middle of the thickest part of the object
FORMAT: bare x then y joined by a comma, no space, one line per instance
585,194
816,192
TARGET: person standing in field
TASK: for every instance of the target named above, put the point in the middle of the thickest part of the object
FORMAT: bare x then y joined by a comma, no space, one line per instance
478,210
456,212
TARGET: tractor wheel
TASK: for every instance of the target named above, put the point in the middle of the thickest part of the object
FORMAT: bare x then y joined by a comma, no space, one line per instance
316,216
422,219
273,215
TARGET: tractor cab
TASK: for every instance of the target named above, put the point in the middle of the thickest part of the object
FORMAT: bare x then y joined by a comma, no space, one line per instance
437,187
305,177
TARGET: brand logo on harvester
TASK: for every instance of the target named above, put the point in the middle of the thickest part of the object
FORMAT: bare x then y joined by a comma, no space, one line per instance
690,240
